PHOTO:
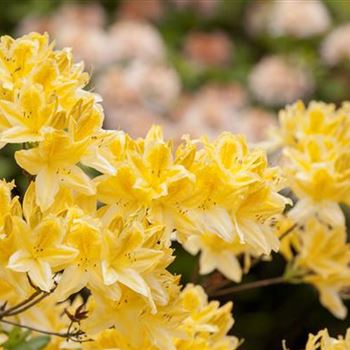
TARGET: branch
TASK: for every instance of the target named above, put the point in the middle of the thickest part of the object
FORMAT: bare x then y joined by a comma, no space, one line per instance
19,309
77,334
288,231
250,285
26,303
19,305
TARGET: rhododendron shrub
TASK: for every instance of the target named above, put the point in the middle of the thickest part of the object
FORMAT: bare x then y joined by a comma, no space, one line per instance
84,255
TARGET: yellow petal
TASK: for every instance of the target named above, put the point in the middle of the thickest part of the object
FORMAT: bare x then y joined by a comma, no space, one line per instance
30,160
41,275
19,134
228,265
46,186
134,281
20,261
332,301
72,281
76,179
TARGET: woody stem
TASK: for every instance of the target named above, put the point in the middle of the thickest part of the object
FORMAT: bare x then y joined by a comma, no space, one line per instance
33,329
251,285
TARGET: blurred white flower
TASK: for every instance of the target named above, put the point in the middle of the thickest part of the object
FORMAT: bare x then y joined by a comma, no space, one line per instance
86,15
112,85
336,46
158,85
135,120
213,110
296,18
135,40
89,44
78,26
155,86
40,24
277,81
255,124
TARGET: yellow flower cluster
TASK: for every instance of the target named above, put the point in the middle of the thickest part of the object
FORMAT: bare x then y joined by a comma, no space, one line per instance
101,210
207,324
110,235
316,142
220,190
39,88
316,161
320,255
323,341
203,326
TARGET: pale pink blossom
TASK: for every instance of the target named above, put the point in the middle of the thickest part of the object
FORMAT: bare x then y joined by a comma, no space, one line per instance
135,120
212,110
297,18
256,123
208,48
276,81
89,44
135,40
81,15
155,86
336,46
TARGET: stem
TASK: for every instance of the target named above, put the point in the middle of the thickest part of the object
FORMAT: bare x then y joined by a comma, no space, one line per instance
19,305
210,288
250,285
33,329
26,306
288,231
195,272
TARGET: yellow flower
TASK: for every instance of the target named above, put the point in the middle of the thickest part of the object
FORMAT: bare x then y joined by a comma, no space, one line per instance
147,174
208,323
125,260
332,289
14,285
189,321
316,140
323,260
99,154
149,328
323,249
110,339
217,253
323,341
39,87
84,235
29,113
237,193
40,250
53,162
221,187
9,206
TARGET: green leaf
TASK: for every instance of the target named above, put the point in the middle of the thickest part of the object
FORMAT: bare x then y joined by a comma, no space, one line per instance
15,337
36,343
18,340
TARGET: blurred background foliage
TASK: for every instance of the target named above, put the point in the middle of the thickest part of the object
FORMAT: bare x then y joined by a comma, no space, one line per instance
224,81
